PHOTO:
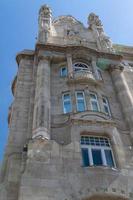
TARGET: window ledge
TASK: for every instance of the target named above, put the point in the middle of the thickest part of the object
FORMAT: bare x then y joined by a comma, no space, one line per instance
99,168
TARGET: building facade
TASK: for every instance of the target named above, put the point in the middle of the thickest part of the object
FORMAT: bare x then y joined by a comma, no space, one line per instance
71,121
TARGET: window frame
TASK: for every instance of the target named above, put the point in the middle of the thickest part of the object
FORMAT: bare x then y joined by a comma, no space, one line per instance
80,69
91,100
106,104
84,100
61,74
102,150
63,102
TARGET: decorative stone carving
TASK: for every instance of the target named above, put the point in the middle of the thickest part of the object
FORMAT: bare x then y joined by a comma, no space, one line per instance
66,20
45,16
94,20
104,42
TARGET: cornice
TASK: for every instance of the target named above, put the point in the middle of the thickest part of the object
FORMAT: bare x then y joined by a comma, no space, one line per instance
27,54
71,48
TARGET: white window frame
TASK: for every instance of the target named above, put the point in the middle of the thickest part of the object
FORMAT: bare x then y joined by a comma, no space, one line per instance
107,105
65,100
87,68
80,99
94,100
61,74
102,149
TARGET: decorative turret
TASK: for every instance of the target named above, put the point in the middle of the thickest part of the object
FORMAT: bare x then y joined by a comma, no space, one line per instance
103,41
44,21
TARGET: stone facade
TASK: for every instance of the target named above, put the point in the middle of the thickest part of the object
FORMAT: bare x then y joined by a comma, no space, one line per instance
43,158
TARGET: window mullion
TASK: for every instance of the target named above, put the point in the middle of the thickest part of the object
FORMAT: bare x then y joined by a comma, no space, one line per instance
90,156
103,157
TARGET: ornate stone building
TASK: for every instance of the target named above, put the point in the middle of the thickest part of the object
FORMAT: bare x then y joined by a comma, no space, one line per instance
71,121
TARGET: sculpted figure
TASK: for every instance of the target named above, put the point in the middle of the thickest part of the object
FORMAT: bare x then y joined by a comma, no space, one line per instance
104,39
96,25
44,18
94,20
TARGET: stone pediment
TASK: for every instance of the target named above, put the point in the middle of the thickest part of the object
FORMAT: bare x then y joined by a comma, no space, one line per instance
70,20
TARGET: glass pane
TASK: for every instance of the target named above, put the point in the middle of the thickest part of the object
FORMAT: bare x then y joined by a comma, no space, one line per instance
94,106
67,107
66,96
85,157
79,95
97,157
106,109
104,100
109,157
93,96
81,106
64,71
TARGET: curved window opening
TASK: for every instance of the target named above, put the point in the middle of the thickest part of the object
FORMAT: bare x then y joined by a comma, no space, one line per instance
106,106
96,151
79,66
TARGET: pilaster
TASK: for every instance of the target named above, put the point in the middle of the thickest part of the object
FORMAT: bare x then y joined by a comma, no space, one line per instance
124,94
41,121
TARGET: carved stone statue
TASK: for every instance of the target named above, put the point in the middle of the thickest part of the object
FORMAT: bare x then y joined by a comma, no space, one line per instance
105,40
45,18
96,26
94,20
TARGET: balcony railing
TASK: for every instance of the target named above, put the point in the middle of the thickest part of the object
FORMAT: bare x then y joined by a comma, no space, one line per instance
83,76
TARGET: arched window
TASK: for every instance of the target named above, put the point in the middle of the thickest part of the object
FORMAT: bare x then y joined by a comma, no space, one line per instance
79,66
96,151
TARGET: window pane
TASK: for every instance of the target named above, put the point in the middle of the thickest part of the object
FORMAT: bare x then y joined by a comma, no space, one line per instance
64,71
85,157
97,157
66,96
93,96
79,95
94,106
109,158
106,109
81,106
67,107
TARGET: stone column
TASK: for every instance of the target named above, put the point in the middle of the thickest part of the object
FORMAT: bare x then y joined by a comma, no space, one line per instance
69,64
124,94
41,121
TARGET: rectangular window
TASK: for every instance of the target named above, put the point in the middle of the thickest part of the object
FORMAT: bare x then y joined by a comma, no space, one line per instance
80,99
106,106
94,102
67,107
63,71
96,151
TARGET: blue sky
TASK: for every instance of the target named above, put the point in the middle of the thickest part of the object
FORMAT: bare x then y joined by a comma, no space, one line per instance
19,27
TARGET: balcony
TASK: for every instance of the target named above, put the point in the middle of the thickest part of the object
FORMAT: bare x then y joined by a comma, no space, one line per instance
82,76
